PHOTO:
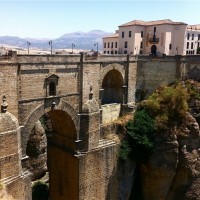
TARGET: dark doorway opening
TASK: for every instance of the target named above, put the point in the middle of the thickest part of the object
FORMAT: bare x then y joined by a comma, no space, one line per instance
112,85
153,50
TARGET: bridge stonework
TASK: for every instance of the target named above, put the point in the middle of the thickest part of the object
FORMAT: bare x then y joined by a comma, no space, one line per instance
71,90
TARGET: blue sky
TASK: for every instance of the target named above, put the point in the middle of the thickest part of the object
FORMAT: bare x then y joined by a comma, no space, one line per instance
51,19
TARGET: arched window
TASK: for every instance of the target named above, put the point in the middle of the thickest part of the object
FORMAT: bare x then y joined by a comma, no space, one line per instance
51,83
52,89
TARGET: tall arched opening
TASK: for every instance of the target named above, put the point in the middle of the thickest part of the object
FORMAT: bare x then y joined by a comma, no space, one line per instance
112,85
62,165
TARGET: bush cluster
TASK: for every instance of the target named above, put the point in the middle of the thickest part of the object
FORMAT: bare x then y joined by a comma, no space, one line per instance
40,191
165,108
140,136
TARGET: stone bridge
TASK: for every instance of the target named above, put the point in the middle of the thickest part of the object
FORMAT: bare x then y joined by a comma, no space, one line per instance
77,95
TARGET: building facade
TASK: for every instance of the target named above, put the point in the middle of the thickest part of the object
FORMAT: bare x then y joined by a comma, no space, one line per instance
193,39
154,37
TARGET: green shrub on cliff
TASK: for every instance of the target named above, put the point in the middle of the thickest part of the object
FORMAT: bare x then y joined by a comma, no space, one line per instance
167,106
40,191
163,110
139,142
193,89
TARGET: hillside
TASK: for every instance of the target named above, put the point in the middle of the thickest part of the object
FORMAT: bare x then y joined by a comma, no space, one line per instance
82,40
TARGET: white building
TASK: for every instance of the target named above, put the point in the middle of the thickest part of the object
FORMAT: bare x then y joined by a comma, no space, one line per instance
156,37
192,39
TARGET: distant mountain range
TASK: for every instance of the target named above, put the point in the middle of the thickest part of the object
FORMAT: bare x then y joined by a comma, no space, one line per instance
81,40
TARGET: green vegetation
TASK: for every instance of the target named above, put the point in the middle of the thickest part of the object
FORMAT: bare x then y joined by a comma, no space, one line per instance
164,109
193,89
167,106
45,121
2,186
40,191
139,142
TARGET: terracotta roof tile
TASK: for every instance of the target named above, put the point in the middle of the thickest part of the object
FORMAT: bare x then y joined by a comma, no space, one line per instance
115,35
194,27
149,23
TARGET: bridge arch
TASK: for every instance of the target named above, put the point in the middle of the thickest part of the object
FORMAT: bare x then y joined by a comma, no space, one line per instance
112,81
62,164
39,112
110,67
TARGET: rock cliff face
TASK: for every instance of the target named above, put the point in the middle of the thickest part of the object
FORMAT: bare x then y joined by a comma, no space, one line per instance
37,152
173,170
157,175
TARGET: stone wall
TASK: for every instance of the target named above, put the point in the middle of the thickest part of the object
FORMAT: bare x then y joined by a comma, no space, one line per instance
20,188
153,73
97,168
9,84
17,183
110,112
131,81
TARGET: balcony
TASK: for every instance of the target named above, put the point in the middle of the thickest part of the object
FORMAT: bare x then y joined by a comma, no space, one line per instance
153,40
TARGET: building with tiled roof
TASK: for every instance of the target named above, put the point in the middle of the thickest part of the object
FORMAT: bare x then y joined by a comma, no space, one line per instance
111,43
154,37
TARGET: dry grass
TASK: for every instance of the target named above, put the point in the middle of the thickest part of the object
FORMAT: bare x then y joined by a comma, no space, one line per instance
123,120
114,137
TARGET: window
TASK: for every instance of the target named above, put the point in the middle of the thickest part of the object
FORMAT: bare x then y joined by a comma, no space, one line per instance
198,44
170,46
141,44
52,89
123,34
188,36
192,36
108,44
198,36
112,45
51,83
186,52
104,44
154,29
187,45
129,33
115,52
104,52
111,52
115,44
192,45
125,52
108,52
142,34
125,44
